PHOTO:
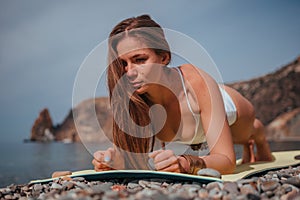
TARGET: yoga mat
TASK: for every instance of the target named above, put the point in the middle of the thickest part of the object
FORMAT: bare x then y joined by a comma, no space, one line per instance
282,159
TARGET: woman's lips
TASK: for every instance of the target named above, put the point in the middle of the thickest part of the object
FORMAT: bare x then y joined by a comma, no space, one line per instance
136,84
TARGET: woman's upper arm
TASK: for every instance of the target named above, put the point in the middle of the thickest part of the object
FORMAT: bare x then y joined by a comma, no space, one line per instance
213,116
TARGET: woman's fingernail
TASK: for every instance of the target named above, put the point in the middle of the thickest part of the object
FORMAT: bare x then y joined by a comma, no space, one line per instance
106,158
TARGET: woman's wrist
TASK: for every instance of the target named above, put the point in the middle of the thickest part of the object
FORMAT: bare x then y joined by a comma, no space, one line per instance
191,164
184,165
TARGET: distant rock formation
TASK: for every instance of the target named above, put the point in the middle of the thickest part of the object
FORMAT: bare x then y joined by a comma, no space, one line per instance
42,129
93,117
275,96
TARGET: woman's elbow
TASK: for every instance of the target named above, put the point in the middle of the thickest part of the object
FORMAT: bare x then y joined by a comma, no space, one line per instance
230,167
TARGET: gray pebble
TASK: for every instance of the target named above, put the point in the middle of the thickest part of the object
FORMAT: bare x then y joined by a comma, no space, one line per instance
37,187
246,189
42,196
191,186
8,196
209,172
78,179
111,194
283,175
25,188
275,175
215,185
155,187
229,197
215,194
133,185
159,196
293,195
294,181
71,195
269,185
145,193
56,186
192,189
98,189
68,185
231,187
144,183
241,197
287,187
203,193
269,194
251,196
176,196
81,185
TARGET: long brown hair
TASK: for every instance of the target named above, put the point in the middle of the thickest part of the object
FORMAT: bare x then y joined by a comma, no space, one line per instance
132,143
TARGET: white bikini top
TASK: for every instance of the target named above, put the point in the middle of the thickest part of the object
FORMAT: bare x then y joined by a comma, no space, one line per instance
230,110
199,136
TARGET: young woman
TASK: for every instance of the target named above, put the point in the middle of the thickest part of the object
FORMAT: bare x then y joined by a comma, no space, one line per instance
196,108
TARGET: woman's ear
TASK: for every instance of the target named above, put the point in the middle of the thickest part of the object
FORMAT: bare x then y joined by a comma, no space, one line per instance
165,58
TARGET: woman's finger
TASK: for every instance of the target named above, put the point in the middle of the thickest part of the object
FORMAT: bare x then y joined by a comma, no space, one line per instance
108,155
98,155
155,153
102,169
172,168
99,166
163,155
163,164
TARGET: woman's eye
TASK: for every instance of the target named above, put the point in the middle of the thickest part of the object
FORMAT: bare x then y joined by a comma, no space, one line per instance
140,60
124,63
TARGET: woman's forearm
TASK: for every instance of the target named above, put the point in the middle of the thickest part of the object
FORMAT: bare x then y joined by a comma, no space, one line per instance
220,162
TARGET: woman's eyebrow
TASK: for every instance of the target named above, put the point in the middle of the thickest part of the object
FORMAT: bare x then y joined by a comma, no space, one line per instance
137,55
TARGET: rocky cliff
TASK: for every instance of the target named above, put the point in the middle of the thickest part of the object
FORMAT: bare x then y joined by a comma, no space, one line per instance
275,96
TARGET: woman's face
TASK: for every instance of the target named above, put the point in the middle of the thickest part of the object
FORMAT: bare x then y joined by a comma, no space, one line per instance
142,65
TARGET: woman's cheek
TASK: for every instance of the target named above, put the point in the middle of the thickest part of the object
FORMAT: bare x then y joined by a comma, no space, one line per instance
152,73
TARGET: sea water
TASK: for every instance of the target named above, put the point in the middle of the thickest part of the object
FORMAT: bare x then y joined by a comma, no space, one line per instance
23,162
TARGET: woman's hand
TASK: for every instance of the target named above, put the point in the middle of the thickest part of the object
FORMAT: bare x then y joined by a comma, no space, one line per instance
165,160
107,160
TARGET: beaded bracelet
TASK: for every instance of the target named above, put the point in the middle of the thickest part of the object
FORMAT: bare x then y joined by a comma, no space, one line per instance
195,163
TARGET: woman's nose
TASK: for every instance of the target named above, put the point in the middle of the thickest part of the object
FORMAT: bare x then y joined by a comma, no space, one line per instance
131,72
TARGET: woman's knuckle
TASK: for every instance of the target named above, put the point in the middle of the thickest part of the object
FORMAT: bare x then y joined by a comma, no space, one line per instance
96,154
169,152
173,159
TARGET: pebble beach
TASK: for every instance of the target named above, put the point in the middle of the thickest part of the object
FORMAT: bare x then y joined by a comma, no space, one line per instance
281,184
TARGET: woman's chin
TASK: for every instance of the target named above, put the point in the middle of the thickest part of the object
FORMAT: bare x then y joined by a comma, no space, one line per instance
140,90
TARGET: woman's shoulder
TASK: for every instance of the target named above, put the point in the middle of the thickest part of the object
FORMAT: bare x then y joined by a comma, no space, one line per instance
191,72
187,66
196,76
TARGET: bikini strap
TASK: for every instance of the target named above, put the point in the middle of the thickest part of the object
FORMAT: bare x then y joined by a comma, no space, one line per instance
184,90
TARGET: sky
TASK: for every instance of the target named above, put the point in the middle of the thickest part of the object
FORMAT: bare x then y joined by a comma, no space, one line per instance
43,44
